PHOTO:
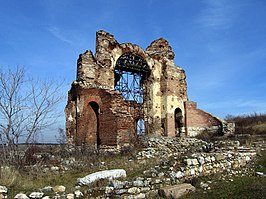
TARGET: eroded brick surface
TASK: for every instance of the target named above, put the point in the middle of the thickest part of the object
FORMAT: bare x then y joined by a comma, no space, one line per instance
97,116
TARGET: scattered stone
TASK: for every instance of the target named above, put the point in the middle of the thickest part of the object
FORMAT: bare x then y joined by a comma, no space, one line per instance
176,191
140,196
204,185
179,174
56,196
138,183
207,148
188,162
194,162
114,173
120,191
78,194
70,196
117,184
219,157
54,168
47,189
133,190
36,195
145,189
109,190
59,189
260,174
21,196
192,171
3,189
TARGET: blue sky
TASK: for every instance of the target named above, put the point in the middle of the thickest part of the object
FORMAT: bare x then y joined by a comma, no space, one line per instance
221,44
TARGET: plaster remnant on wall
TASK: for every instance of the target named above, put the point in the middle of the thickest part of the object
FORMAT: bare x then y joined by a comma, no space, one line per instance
159,104
70,118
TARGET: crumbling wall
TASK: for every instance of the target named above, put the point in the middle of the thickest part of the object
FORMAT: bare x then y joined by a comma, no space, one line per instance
171,87
116,126
99,117
198,121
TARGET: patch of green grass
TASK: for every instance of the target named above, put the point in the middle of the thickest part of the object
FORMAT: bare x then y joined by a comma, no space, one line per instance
240,188
260,164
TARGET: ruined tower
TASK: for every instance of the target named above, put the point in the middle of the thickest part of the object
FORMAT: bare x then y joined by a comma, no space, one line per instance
123,91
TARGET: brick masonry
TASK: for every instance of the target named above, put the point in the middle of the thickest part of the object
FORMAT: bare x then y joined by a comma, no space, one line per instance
97,115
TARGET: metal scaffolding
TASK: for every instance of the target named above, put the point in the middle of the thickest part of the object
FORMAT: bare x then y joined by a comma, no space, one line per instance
130,72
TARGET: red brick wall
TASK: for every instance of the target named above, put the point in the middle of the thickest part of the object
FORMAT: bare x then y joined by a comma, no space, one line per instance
116,126
198,118
170,125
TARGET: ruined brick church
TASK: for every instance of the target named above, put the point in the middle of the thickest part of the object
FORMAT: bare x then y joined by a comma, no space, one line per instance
123,92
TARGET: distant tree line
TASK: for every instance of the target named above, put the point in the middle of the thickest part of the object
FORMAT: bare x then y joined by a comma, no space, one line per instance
249,124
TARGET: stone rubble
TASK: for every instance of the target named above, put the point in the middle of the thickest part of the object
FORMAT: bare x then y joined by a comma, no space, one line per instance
176,191
181,159
21,196
3,190
36,195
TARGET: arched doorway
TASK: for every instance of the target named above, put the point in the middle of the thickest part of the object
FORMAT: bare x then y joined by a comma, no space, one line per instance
93,120
178,121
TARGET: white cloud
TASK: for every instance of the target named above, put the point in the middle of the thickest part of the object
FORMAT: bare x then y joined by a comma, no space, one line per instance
217,14
59,35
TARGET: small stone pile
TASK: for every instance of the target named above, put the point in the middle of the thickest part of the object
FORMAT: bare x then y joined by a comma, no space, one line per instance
56,192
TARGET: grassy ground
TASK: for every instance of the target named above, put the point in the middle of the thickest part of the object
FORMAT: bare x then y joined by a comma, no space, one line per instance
243,187
237,187
240,188
33,179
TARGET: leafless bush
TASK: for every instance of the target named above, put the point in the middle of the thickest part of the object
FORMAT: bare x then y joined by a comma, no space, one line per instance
27,107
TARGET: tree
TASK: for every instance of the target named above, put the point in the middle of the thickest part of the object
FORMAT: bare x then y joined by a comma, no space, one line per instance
27,106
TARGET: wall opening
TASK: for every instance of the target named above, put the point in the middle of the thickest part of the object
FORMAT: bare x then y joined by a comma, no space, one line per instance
130,86
94,122
131,71
178,121
140,126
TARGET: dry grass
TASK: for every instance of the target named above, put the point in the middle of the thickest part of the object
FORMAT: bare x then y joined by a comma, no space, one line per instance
8,175
33,178
249,124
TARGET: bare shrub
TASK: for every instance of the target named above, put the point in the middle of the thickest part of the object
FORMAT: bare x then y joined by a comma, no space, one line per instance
27,107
